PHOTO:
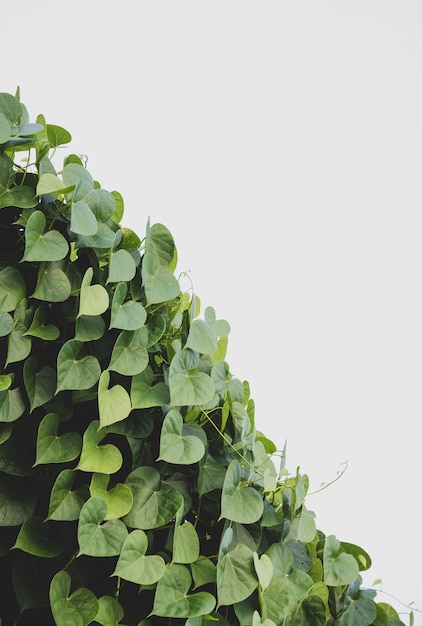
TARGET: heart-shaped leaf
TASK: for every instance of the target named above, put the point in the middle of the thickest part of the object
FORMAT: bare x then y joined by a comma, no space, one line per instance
93,299
95,537
175,445
18,345
122,267
130,356
240,503
40,246
75,369
129,315
340,568
201,338
54,448
187,384
49,183
12,289
12,405
40,384
154,503
119,499
6,324
52,284
185,543
82,219
66,502
236,577
144,394
172,598
159,282
264,569
133,564
89,328
103,459
114,404
76,609
110,612
38,327
34,539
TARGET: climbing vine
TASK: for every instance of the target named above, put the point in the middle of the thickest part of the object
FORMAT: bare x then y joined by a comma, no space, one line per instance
135,485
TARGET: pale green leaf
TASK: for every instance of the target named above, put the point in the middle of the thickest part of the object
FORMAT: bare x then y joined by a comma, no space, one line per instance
82,219
130,356
188,385
144,394
93,299
103,459
236,577
114,404
122,267
52,283
175,445
12,289
185,543
159,282
126,315
134,565
340,568
239,502
119,499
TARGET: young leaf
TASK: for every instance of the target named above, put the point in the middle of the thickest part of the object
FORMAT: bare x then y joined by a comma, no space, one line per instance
103,459
119,499
114,404
93,299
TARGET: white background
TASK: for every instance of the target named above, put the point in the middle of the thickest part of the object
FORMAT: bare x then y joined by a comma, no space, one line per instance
281,144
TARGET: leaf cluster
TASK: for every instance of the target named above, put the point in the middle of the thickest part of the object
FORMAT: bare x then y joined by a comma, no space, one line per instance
135,487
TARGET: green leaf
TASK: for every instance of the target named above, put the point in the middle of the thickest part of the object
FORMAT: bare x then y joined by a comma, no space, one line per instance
279,601
361,556
110,612
20,196
122,267
40,385
52,283
54,448
130,356
201,338
144,394
17,500
102,459
77,175
185,543
40,246
66,502
172,598
95,537
264,569
12,289
204,571
175,445
41,330
211,475
83,220
57,136
114,404
94,299
6,324
134,565
75,369
33,538
312,612
12,405
89,328
76,609
159,282
119,499
236,578
49,183
159,241
154,503
18,345
128,315
340,568
187,384
240,503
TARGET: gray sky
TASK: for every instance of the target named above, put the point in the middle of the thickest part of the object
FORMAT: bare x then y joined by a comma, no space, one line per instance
280,142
